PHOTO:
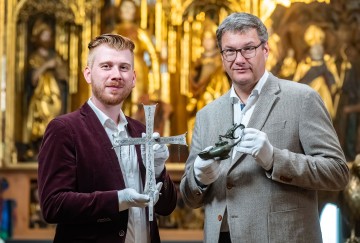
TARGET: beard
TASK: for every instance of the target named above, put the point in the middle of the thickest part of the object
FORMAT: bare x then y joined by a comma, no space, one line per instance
108,99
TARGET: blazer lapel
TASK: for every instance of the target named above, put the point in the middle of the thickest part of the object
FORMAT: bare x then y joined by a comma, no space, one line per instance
267,98
265,102
226,121
225,107
95,126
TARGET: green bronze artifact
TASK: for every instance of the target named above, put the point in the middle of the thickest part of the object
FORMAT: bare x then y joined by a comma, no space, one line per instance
222,148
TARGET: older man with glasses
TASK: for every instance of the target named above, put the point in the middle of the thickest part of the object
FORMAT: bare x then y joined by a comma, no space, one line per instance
266,191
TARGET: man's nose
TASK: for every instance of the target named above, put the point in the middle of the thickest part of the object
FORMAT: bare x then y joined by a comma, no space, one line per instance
239,57
117,72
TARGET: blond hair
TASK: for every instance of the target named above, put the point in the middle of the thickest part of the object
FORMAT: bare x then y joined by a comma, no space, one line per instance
115,41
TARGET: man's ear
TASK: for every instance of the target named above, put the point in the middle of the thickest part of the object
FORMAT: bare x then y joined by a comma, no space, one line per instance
266,49
134,79
87,74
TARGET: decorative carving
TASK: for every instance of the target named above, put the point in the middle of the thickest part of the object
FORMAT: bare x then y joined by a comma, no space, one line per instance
56,8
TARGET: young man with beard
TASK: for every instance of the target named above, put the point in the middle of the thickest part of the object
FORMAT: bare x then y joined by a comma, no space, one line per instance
92,191
266,191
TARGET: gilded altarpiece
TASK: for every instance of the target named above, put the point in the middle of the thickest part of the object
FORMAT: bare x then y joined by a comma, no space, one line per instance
178,66
42,57
43,60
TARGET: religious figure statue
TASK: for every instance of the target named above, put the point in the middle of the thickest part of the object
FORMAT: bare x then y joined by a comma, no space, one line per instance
46,87
319,69
145,60
348,120
207,78
288,66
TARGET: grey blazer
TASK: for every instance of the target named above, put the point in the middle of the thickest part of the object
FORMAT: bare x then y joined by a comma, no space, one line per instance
280,205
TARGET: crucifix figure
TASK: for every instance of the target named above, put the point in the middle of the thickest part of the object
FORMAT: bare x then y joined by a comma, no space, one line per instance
148,141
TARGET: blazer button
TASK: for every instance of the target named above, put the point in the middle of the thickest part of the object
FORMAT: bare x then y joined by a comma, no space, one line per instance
121,233
229,186
219,217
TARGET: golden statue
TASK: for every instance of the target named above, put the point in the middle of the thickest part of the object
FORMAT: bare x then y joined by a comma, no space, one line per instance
319,69
288,66
207,78
145,62
45,87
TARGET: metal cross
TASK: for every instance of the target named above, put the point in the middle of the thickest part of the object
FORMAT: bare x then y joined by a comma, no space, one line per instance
149,141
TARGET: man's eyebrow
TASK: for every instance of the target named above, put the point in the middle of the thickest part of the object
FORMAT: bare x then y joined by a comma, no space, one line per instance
105,62
109,62
128,65
247,44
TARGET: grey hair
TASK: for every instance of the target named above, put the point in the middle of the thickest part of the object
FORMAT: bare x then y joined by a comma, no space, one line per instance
241,22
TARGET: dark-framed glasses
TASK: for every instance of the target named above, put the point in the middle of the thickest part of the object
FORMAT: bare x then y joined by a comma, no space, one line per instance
247,52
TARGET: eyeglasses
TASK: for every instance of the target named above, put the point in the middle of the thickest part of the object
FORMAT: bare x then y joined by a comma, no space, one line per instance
247,52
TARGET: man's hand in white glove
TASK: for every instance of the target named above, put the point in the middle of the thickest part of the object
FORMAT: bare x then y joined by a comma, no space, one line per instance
129,197
161,154
256,143
157,192
206,171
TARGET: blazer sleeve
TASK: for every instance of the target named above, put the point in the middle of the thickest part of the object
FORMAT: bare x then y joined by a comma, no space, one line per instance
60,199
321,165
204,135
192,193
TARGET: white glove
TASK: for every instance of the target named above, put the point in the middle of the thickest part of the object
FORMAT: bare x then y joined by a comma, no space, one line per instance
206,171
256,143
161,154
129,197
157,192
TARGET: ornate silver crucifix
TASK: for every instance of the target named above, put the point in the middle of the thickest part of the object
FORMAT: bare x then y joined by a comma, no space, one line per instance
149,141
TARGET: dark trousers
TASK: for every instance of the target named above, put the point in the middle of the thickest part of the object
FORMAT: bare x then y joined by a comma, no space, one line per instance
224,237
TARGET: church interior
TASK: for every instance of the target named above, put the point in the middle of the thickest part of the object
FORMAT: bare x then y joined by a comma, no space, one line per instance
178,67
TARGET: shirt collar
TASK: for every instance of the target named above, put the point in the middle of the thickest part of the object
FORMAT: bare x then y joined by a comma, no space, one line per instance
235,99
105,120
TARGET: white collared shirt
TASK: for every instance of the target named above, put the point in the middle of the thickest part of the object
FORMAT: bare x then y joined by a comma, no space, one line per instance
243,116
137,223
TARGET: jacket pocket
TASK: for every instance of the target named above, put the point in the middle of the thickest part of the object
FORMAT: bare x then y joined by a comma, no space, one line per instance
298,225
